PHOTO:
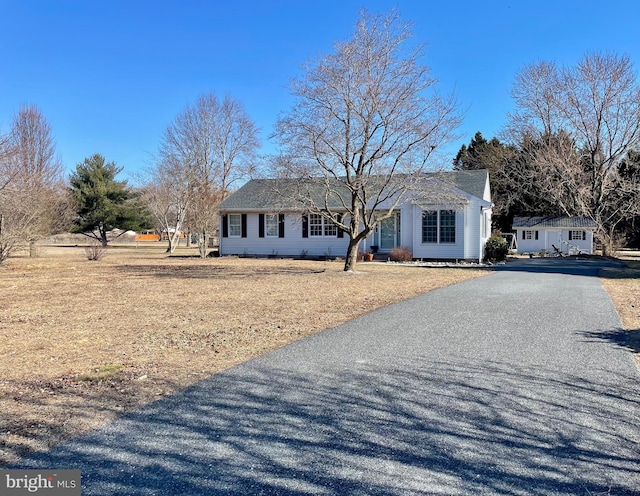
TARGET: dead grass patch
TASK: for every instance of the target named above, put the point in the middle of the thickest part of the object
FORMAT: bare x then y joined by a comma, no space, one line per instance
82,342
623,285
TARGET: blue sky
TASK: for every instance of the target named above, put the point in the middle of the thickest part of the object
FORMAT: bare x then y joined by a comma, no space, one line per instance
110,75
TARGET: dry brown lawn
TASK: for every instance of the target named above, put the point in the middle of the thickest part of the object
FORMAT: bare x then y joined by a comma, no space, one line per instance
82,342
623,286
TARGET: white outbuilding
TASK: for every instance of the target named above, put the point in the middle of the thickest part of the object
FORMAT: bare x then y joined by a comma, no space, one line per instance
554,235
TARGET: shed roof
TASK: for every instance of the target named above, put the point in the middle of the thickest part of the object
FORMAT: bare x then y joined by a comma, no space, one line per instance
553,222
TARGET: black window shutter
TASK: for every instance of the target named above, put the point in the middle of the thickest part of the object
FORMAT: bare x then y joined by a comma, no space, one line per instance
225,226
261,225
536,235
281,225
305,226
570,235
584,235
340,231
244,225
523,235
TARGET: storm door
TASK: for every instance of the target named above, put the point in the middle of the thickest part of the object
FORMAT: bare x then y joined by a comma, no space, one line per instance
389,233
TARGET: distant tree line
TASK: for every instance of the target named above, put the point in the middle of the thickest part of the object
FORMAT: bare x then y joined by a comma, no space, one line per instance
362,115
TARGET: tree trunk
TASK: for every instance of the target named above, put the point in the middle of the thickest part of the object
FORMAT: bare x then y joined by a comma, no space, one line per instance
202,244
174,241
33,249
352,255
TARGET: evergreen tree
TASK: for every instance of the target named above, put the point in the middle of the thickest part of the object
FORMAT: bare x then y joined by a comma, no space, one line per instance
495,157
102,202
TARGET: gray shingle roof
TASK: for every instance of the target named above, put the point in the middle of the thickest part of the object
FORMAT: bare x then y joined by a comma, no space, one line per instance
553,222
469,181
280,194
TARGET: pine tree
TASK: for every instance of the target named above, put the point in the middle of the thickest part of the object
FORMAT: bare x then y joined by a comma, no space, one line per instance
102,202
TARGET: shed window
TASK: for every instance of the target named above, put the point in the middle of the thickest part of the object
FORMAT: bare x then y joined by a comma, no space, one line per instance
529,235
577,235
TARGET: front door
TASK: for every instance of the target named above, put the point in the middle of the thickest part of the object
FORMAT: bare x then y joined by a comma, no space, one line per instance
389,233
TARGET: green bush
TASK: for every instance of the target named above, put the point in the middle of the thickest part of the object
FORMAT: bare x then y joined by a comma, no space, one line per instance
496,249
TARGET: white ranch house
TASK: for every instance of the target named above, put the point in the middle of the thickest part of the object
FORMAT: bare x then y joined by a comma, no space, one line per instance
448,219
568,235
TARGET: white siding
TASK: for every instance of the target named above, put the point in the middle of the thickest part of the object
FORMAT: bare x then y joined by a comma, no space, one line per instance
438,250
471,233
473,224
548,238
406,226
293,244
585,245
469,242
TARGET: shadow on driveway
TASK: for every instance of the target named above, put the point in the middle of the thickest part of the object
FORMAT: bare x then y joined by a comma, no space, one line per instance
627,339
411,428
577,266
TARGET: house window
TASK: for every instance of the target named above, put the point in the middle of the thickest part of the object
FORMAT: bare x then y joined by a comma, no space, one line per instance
320,226
529,235
577,235
430,226
235,225
439,226
447,226
330,228
271,225
315,225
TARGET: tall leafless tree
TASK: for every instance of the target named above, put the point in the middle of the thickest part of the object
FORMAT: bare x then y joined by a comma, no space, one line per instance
585,118
364,115
169,196
8,240
212,144
33,202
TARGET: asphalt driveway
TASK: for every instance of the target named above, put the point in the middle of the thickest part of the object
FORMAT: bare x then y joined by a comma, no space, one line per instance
515,383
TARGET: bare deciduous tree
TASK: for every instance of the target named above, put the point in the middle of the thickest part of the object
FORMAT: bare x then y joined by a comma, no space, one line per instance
212,144
585,118
168,197
365,116
8,240
33,202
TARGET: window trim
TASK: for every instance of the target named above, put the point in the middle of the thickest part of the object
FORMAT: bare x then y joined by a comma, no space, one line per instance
232,226
450,229
577,235
319,223
431,227
274,220
439,228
